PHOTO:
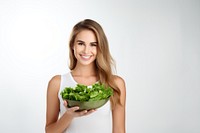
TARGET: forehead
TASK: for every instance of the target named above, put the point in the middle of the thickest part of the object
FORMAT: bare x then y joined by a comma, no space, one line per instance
86,35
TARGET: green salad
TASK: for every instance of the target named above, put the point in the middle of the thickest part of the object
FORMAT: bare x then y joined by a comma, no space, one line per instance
84,93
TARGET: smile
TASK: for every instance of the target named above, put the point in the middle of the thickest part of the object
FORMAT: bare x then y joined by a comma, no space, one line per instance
86,56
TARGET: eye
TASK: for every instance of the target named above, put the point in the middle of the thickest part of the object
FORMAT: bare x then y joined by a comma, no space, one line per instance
93,44
80,43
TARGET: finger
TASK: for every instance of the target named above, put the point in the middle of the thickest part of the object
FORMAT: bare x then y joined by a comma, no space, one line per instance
73,109
81,113
90,111
65,103
86,112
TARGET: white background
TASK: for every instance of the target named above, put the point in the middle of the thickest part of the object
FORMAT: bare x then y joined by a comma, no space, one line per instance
156,44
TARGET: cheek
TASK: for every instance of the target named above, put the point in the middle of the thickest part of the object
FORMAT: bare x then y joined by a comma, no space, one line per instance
95,51
76,50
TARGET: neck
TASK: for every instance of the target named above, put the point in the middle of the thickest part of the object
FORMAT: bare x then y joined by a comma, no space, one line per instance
89,70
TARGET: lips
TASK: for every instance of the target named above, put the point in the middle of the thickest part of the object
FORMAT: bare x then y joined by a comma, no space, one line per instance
86,57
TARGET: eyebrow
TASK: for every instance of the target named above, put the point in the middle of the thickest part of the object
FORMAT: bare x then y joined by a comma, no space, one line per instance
79,41
84,42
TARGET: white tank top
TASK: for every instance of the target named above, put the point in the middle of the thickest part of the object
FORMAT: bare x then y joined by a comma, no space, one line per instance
97,122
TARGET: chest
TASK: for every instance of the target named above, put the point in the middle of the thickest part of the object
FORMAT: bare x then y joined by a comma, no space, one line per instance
85,80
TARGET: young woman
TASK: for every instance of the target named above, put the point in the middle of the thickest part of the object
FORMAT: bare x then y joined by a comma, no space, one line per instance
90,62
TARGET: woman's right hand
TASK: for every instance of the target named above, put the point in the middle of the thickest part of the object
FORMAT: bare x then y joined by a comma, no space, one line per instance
74,113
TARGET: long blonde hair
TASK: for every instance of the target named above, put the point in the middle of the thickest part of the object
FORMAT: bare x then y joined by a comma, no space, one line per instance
104,61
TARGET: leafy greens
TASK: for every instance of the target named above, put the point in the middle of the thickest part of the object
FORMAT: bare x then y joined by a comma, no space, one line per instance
84,93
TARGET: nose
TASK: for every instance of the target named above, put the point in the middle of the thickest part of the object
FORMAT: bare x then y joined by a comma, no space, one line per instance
87,49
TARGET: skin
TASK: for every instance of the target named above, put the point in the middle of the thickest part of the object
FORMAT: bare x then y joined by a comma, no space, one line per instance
85,51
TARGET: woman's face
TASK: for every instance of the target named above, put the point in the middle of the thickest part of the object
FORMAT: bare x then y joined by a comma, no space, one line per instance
85,47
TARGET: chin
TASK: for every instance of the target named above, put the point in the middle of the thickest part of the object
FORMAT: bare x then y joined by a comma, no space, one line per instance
85,63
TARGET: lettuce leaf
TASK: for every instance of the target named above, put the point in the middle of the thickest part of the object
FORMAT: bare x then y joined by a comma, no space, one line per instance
84,93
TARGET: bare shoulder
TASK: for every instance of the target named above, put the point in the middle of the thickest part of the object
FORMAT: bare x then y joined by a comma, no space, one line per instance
119,82
54,83
55,79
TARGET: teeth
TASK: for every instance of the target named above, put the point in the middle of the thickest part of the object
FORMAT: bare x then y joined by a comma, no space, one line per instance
86,56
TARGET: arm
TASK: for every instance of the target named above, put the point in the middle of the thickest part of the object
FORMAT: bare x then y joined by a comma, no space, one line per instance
53,105
53,124
118,113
